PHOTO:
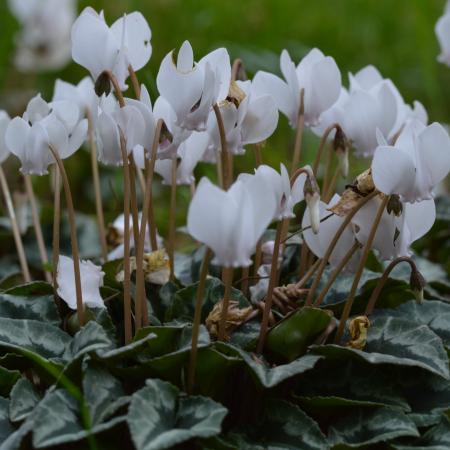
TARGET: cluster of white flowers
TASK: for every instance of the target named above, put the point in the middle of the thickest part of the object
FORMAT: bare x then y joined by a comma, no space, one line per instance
409,157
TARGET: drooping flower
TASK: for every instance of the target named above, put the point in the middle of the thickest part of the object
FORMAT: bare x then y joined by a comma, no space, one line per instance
317,74
248,120
419,160
91,281
192,88
397,230
45,124
230,222
189,154
43,42
99,48
4,122
442,31
318,243
112,121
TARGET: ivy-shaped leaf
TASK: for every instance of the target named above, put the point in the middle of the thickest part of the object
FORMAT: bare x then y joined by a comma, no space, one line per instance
24,398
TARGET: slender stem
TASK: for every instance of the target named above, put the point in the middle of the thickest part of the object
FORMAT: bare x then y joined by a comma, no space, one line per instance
329,192
382,281
219,170
335,273
224,148
37,226
258,155
56,226
245,280
141,180
172,217
333,243
304,253
227,280
299,133
197,319
308,274
238,66
359,271
116,87
97,189
134,82
323,141
73,234
133,197
126,250
327,174
15,227
140,281
272,283
258,258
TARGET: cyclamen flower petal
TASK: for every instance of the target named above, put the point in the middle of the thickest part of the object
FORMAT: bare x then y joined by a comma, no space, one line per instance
91,281
230,222
395,235
317,74
318,243
442,31
189,153
4,122
192,89
98,47
419,160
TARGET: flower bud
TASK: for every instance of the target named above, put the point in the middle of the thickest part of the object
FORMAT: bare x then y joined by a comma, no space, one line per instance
343,162
103,84
311,192
394,205
417,283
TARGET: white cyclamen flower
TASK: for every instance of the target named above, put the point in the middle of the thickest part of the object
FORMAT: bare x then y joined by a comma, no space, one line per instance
318,243
317,74
230,222
43,43
193,88
442,30
99,48
395,234
4,122
253,121
419,160
91,281
111,123
190,153
45,124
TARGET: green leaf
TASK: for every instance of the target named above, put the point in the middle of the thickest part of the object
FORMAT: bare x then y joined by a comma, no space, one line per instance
159,419
399,342
291,337
91,337
5,426
436,438
8,379
434,314
34,288
41,307
266,375
103,392
285,426
24,398
183,304
366,426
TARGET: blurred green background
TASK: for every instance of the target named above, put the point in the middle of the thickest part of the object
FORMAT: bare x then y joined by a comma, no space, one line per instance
397,36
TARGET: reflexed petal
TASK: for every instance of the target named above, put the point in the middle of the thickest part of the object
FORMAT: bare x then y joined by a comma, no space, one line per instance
16,136
4,123
260,121
78,137
37,109
419,217
219,61
443,34
366,78
109,148
393,171
185,59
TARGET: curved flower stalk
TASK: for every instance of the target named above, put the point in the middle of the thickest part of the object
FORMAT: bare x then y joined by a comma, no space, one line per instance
91,281
100,48
442,30
189,153
249,117
397,229
192,88
43,42
418,161
45,124
316,73
330,223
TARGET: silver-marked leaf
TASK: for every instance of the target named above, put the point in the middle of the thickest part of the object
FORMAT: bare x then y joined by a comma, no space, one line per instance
24,398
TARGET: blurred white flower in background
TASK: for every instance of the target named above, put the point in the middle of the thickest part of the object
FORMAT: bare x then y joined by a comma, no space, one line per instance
43,42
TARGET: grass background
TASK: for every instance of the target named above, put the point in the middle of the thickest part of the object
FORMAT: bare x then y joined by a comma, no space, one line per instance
397,36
